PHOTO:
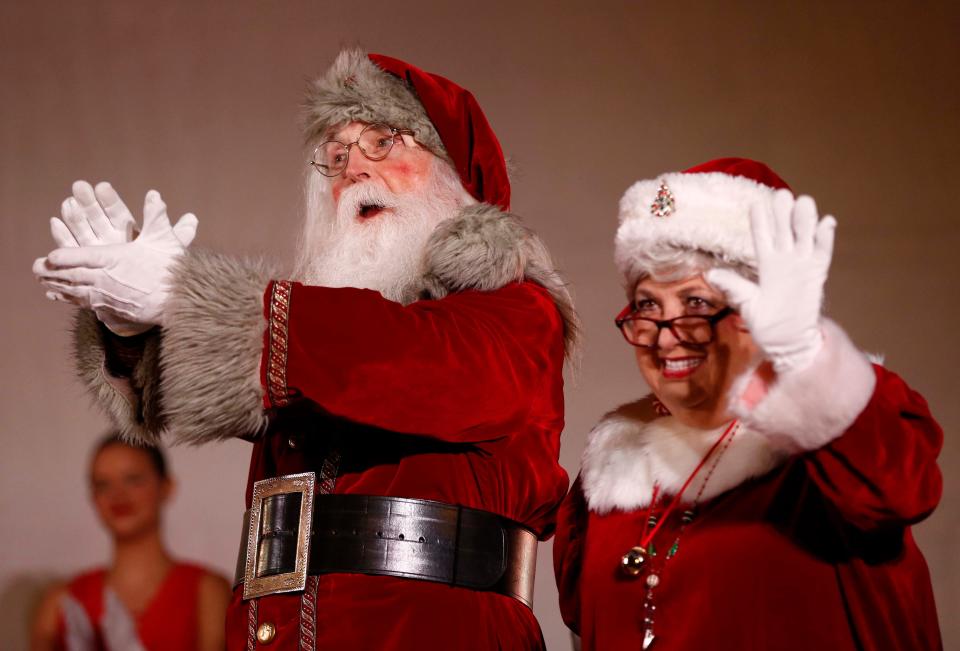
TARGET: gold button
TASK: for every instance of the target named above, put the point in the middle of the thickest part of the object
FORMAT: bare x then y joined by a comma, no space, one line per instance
293,442
266,632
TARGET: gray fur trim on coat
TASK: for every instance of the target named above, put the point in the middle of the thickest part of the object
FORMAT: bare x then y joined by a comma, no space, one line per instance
354,88
133,403
211,351
206,365
200,378
485,248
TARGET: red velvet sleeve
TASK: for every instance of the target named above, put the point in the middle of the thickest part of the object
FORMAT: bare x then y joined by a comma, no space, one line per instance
882,471
464,368
568,554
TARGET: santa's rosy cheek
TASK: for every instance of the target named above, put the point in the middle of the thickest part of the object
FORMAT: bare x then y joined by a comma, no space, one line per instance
406,176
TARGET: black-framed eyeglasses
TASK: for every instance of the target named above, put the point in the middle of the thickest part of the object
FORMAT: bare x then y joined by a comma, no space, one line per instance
688,329
330,158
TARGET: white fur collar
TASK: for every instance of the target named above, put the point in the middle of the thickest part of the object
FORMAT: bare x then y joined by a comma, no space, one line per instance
632,448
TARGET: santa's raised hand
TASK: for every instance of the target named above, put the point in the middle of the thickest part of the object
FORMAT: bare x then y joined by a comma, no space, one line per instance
92,216
95,216
126,280
782,309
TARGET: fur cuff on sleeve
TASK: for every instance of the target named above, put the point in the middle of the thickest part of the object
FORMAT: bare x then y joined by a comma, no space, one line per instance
133,402
212,347
806,409
484,248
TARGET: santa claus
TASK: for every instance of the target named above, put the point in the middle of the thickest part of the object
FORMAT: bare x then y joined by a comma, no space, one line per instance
403,390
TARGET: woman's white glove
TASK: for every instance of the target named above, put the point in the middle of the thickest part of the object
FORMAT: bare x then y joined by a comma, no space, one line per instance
782,310
126,280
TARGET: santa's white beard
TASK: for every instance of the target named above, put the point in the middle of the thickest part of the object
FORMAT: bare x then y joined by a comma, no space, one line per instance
383,252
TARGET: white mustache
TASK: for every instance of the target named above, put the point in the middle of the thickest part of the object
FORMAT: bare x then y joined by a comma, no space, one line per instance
363,194
341,249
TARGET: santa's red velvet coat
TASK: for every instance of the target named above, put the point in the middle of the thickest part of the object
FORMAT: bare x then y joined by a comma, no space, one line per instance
457,400
457,397
802,536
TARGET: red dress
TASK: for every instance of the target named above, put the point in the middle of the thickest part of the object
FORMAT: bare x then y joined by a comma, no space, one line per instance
92,618
797,547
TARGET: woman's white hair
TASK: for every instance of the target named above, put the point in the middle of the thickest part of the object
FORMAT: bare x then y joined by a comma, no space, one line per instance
667,263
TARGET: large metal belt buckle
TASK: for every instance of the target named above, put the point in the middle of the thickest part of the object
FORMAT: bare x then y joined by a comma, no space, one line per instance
259,576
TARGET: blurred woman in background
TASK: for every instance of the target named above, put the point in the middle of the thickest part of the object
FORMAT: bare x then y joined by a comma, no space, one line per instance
761,497
145,600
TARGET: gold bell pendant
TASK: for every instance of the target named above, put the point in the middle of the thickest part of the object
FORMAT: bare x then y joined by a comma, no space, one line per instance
632,562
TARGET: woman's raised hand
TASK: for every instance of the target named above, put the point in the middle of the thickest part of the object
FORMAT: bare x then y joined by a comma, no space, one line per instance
782,309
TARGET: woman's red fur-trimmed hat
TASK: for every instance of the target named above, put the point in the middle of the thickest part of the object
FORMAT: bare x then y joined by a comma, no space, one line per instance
704,208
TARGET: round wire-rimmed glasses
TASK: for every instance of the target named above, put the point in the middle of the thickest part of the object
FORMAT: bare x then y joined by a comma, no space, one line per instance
688,329
330,158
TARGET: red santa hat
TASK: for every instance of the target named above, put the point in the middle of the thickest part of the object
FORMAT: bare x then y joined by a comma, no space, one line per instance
705,208
445,118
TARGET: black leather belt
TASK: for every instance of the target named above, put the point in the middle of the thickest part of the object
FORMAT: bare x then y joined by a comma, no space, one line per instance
394,536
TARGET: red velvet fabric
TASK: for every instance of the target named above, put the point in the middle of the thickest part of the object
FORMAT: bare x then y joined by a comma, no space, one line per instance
168,622
744,167
463,128
458,400
818,554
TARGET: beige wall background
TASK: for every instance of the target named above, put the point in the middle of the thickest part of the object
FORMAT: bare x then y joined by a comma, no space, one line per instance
854,103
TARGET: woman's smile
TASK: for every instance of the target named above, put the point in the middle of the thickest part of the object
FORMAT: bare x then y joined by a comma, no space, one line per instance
691,379
676,368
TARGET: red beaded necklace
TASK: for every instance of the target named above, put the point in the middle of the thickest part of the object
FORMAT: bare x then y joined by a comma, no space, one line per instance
634,561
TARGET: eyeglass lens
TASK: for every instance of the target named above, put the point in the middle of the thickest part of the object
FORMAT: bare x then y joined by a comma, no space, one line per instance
688,329
375,142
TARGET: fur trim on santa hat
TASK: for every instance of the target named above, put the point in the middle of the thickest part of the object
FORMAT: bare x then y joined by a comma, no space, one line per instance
354,88
633,448
710,212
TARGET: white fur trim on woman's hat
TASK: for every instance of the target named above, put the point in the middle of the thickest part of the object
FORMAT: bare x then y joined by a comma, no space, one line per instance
705,208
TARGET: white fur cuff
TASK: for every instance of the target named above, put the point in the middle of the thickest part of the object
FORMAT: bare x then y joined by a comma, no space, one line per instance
806,409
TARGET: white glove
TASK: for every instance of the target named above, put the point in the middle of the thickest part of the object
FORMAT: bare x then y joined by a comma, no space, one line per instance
96,216
127,280
793,257
92,216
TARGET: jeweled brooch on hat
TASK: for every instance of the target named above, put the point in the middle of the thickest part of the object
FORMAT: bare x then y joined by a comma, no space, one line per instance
663,204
